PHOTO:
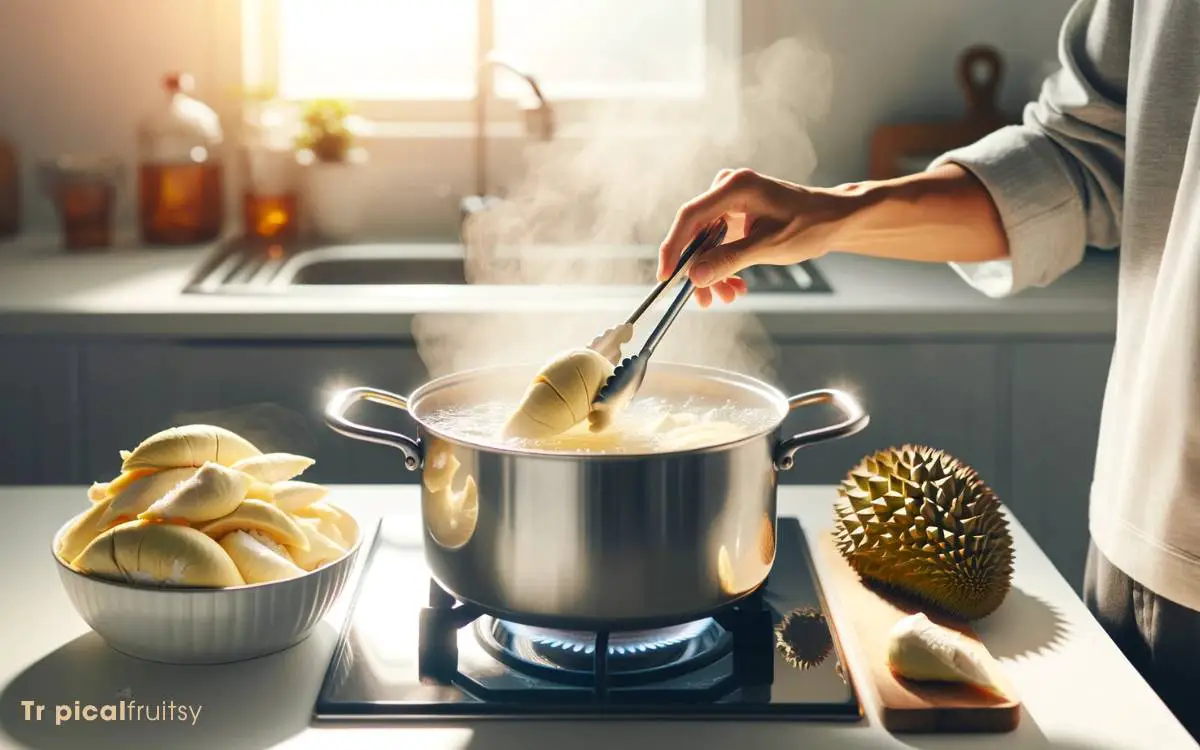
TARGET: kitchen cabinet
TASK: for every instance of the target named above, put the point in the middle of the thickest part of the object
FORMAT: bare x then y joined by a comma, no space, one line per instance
1056,397
1025,414
941,394
273,393
39,419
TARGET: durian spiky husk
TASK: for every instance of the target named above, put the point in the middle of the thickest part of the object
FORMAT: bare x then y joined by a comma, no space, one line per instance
919,521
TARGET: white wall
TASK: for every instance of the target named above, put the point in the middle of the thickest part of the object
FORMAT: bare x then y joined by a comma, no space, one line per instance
77,74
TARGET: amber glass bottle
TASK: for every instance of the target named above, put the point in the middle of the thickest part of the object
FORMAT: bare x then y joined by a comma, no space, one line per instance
180,197
10,190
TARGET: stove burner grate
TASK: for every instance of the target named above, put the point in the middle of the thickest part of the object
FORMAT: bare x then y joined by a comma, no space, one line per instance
632,657
602,666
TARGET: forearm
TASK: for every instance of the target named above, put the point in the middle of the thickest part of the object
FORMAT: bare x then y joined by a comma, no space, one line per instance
945,215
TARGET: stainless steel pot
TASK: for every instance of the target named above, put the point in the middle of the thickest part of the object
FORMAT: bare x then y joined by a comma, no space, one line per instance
598,541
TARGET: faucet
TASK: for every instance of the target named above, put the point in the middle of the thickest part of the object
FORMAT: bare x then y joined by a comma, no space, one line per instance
538,121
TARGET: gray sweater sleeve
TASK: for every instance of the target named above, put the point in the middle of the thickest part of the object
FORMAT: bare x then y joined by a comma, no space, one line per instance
1057,178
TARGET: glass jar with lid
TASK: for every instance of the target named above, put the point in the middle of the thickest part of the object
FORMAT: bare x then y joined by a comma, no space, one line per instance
180,197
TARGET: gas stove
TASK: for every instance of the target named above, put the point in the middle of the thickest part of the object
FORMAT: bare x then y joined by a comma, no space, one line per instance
410,652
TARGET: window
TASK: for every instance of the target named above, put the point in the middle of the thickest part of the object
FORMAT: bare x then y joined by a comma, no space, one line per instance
416,59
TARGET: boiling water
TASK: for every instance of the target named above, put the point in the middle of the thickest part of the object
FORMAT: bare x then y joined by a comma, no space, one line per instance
648,425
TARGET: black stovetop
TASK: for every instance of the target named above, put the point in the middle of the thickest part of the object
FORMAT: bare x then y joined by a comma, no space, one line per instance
408,653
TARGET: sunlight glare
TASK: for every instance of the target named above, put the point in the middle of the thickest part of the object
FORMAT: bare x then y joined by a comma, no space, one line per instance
414,49
376,49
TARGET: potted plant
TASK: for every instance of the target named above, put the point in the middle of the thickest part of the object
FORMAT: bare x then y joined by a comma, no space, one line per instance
333,189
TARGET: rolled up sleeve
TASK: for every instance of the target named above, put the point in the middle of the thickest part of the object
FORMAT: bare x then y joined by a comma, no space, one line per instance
1056,179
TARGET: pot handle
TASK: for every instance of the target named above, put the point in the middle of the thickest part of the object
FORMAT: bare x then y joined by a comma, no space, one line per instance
856,418
335,417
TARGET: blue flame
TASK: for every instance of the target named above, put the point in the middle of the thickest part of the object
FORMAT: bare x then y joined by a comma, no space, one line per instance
619,644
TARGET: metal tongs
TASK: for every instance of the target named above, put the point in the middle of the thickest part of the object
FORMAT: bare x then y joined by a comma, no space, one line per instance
623,384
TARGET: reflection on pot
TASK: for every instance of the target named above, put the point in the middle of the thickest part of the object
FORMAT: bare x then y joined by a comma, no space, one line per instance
440,465
450,515
766,540
747,564
802,638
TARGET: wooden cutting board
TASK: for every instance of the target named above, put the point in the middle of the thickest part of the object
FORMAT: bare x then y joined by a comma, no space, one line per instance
896,149
865,617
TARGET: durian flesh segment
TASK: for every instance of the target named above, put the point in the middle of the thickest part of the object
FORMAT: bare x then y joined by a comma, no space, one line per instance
919,649
344,528
318,550
256,515
255,561
291,495
947,541
189,445
270,468
143,492
87,526
103,490
212,492
561,395
268,541
158,553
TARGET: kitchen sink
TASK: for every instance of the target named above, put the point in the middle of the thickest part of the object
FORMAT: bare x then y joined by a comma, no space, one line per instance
347,269
379,271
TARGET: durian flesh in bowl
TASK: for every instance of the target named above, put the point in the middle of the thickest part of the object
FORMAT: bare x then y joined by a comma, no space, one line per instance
202,549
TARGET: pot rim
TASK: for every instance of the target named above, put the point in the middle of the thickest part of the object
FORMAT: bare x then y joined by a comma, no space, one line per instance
775,395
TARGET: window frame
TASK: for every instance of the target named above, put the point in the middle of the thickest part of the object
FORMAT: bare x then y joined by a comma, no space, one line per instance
452,116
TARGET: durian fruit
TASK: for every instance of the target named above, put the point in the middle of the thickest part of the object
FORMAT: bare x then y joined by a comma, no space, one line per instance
256,515
560,396
918,521
255,561
922,650
802,637
270,468
292,495
212,492
158,553
189,445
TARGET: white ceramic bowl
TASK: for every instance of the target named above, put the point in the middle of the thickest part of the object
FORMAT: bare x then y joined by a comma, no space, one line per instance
205,626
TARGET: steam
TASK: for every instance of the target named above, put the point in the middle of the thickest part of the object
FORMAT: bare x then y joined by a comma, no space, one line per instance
270,427
593,210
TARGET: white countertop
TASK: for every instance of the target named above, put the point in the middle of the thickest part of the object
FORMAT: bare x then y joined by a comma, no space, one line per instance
132,292
1078,690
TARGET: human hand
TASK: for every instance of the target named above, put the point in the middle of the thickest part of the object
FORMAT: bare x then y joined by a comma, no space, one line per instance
770,222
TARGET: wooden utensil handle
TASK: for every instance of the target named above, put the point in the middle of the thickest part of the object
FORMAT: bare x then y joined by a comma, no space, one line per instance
979,70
